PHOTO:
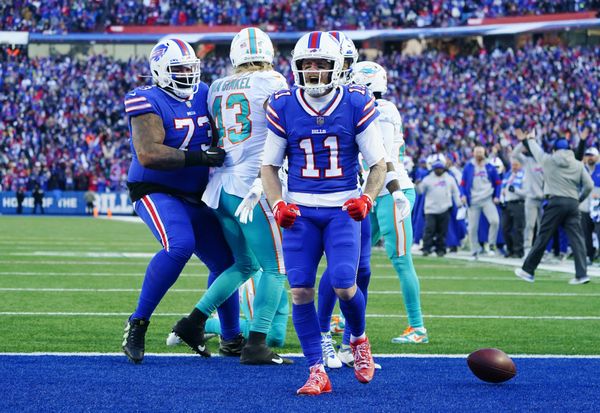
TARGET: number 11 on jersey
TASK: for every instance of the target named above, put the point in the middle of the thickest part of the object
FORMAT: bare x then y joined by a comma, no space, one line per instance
309,170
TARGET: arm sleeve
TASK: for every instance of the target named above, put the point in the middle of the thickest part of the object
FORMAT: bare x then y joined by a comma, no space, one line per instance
454,191
536,151
518,152
387,130
586,184
274,149
370,144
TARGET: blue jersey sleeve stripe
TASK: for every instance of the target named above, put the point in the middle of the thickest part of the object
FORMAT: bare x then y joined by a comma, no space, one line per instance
366,117
135,100
138,107
368,105
272,111
275,124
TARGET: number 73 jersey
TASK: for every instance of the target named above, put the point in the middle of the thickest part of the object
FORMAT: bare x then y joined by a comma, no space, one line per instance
322,147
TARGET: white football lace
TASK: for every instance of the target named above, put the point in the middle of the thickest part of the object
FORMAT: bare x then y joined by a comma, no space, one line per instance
328,347
364,356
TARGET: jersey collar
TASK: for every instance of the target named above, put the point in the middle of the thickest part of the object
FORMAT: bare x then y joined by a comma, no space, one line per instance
327,110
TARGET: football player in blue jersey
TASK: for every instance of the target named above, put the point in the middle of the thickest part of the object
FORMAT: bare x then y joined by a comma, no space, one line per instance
327,296
321,128
170,141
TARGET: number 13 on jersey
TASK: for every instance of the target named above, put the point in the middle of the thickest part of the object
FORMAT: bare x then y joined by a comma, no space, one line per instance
233,120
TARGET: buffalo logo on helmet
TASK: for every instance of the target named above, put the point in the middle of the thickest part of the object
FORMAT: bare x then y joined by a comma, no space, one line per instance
159,52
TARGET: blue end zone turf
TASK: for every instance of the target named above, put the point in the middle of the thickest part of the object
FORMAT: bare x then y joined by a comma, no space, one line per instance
110,383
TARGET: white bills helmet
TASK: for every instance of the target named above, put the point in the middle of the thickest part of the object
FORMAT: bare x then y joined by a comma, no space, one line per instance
371,75
175,67
317,46
349,53
251,45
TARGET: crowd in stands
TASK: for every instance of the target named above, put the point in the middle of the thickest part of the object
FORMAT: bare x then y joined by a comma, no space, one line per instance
62,123
61,16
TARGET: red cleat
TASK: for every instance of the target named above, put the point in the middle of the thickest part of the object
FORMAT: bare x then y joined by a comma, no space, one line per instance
364,366
317,383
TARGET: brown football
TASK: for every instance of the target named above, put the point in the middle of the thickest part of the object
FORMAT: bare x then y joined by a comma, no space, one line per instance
491,365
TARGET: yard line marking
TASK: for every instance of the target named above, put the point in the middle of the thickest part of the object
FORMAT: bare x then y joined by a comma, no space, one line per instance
96,290
442,316
86,274
49,262
204,275
85,254
300,355
374,292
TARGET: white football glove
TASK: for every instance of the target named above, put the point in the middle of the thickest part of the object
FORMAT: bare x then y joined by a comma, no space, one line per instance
245,210
461,213
402,205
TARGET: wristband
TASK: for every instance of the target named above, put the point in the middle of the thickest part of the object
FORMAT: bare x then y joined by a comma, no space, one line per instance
193,158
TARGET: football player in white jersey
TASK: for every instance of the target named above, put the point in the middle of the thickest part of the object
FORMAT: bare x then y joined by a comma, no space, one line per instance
237,105
392,218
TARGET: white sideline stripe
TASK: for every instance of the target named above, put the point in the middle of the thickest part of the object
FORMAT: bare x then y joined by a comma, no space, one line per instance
375,292
467,317
299,355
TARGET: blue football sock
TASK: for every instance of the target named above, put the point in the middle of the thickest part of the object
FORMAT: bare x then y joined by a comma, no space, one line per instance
362,281
326,302
354,311
229,313
306,324
161,274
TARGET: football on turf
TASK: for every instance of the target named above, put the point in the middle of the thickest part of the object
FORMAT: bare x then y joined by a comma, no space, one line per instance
491,365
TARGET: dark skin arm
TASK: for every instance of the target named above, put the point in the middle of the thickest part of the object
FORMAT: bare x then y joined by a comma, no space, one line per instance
148,135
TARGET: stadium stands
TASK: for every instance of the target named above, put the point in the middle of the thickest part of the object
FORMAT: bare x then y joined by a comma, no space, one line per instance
62,16
52,132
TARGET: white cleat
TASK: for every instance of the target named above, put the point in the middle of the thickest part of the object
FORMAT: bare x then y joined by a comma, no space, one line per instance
173,339
345,355
330,358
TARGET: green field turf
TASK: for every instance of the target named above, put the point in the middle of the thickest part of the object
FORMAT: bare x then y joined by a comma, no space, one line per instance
44,271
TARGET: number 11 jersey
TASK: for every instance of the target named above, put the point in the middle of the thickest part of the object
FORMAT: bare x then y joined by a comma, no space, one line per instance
322,147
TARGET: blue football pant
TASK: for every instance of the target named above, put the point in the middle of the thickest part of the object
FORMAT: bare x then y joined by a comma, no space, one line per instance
182,229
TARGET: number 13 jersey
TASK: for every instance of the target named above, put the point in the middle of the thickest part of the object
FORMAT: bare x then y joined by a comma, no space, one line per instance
237,105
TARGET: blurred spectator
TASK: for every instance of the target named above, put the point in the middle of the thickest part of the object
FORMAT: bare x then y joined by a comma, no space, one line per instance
592,166
533,184
440,189
38,199
512,198
20,199
480,188
566,184
89,198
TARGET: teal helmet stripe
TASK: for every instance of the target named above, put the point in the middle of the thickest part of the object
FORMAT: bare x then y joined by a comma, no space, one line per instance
252,36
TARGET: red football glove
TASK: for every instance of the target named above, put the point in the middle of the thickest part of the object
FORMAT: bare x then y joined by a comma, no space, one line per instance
358,208
285,214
